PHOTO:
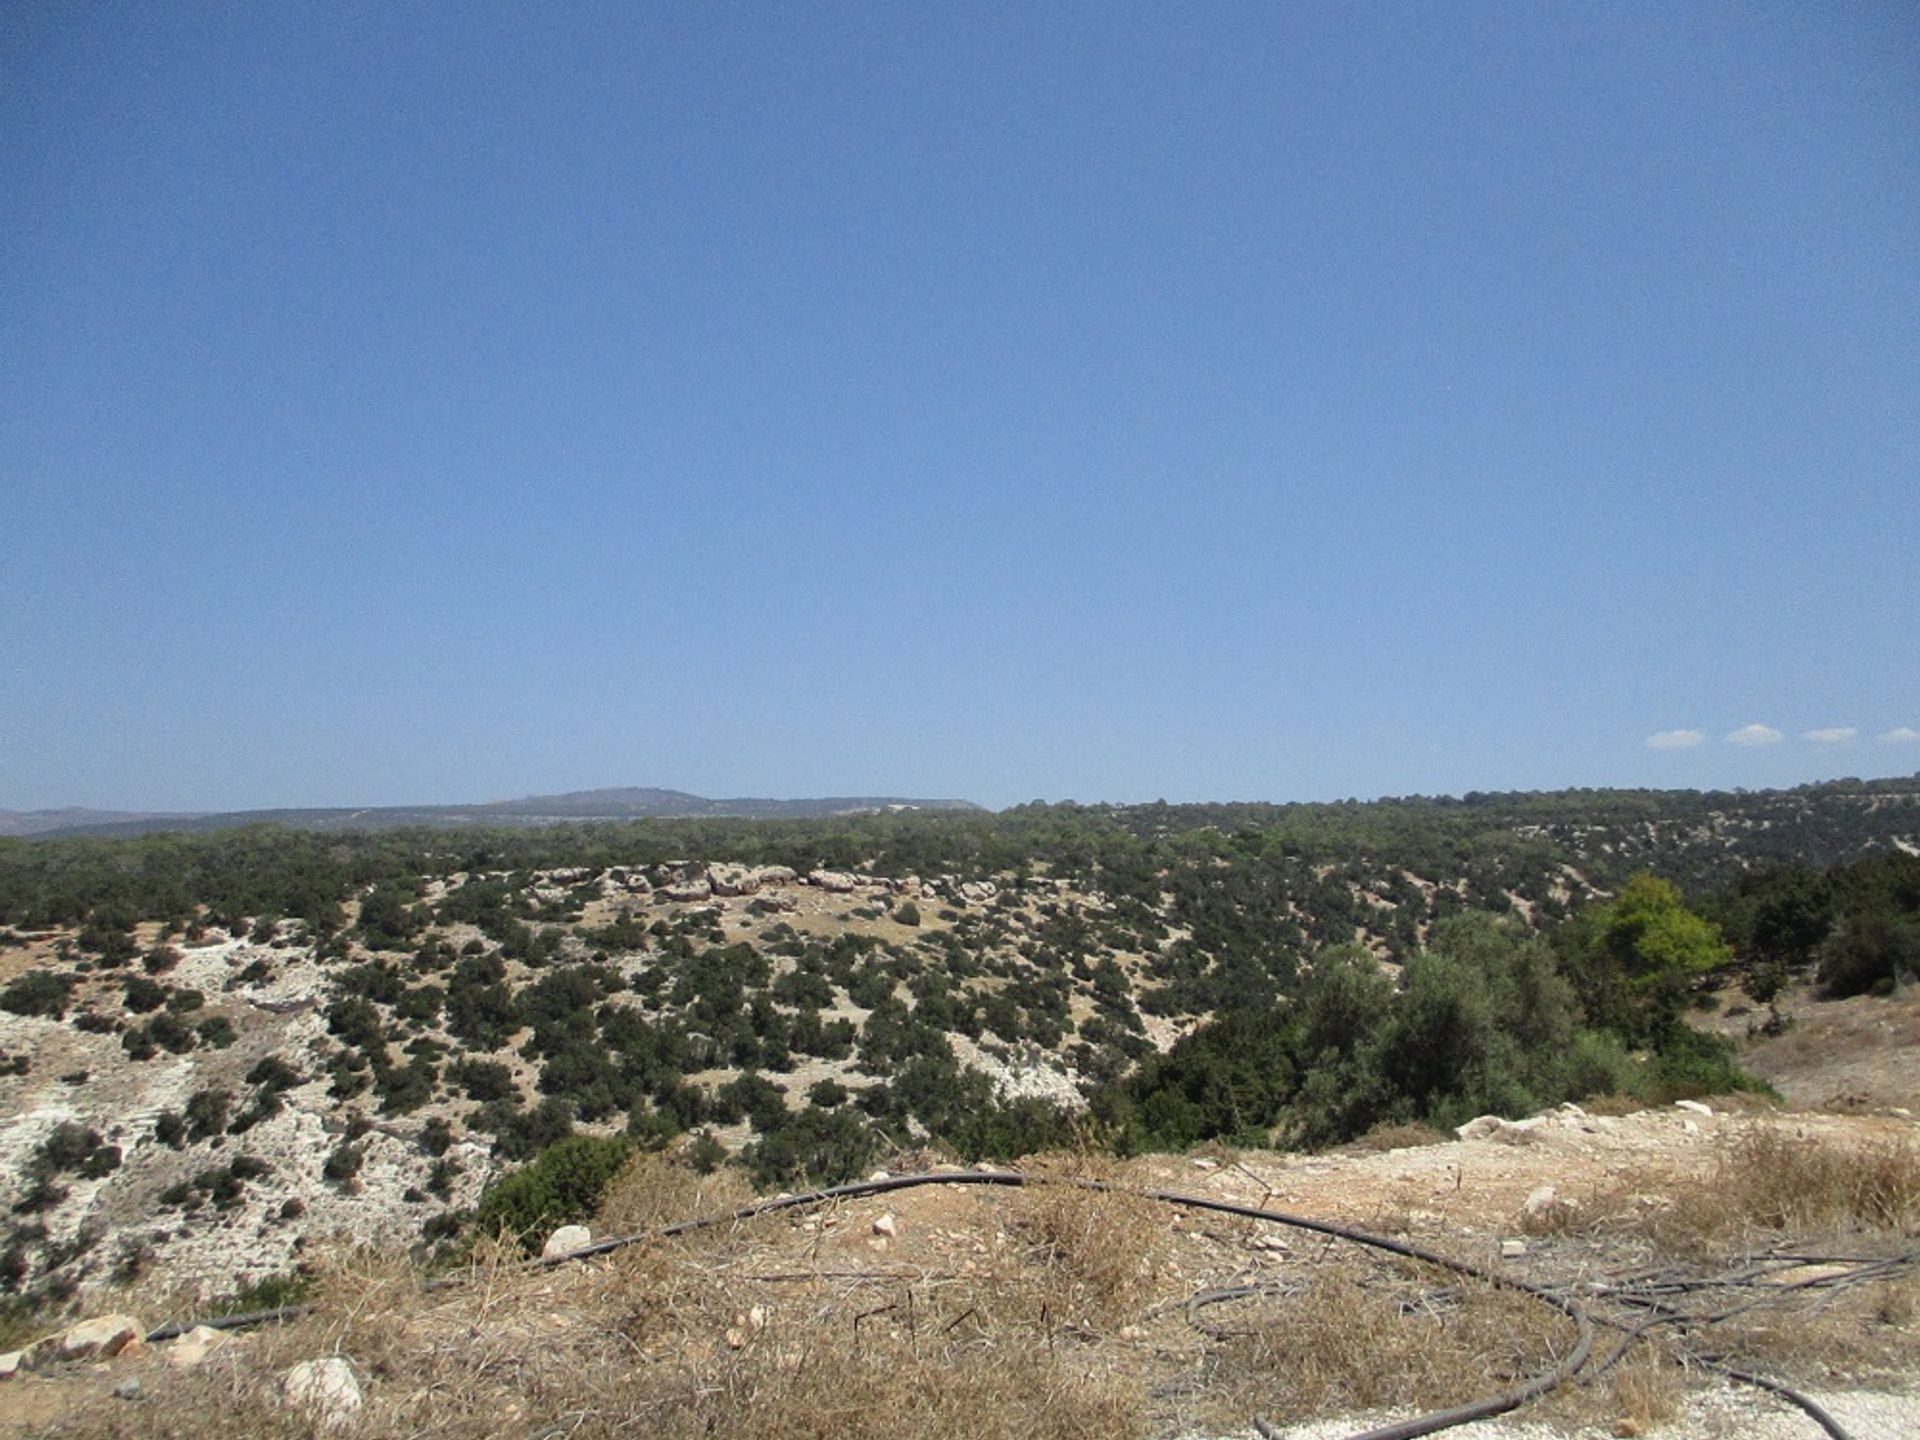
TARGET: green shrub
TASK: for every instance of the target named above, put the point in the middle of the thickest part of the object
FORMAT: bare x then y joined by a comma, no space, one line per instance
562,1185
38,992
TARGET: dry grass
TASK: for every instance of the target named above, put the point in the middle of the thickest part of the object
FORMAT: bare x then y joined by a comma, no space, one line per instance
1092,1258
1763,1186
654,1191
1358,1337
1395,1137
1647,1389
1767,1182
1041,1313
787,1328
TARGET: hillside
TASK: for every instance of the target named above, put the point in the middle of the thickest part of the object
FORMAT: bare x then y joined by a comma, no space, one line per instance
216,1049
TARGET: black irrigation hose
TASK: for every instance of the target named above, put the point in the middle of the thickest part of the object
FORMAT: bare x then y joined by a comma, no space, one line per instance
1806,1403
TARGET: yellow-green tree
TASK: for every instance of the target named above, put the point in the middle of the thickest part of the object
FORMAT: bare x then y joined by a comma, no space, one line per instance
1645,949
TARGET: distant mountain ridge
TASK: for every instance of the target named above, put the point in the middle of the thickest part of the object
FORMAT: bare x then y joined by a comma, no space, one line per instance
17,823
617,803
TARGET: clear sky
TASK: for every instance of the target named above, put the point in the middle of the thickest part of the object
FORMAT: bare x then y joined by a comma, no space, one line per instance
416,402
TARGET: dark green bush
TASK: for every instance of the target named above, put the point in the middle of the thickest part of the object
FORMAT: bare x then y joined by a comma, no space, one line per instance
562,1185
38,992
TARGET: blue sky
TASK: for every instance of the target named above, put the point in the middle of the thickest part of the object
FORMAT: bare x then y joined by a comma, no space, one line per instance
423,403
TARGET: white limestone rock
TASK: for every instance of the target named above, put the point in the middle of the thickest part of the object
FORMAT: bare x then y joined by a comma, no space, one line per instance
565,1240
325,1389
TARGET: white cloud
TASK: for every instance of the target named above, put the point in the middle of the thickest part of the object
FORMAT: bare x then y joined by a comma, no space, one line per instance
1751,735
1900,735
1676,739
1832,735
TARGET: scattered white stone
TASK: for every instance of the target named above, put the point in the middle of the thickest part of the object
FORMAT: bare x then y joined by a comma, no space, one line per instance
1690,1127
886,1226
1202,1163
1512,1249
1479,1128
128,1389
565,1240
1541,1201
193,1347
10,1364
1693,1105
879,1175
325,1389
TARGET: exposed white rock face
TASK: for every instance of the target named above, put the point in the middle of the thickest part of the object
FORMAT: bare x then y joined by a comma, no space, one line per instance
566,1239
326,1389
1693,1105
838,882
689,890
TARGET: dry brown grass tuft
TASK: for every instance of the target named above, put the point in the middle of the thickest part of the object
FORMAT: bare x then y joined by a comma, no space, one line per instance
836,1387
1357,1337
1761,1187
1648,1389
655,1190
1769,1181
1092,1257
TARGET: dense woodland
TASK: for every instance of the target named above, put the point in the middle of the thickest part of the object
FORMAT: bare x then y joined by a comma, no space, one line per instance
1327,969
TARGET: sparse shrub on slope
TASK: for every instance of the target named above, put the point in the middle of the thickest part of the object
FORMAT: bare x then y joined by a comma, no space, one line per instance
563,1185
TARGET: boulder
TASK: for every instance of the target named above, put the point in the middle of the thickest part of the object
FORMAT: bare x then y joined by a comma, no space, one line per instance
885,1226
733,879
688,890
837,882
98,1339
1479,1128
1693,1106
1541,1202
325,1389
566,1239
10,1364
